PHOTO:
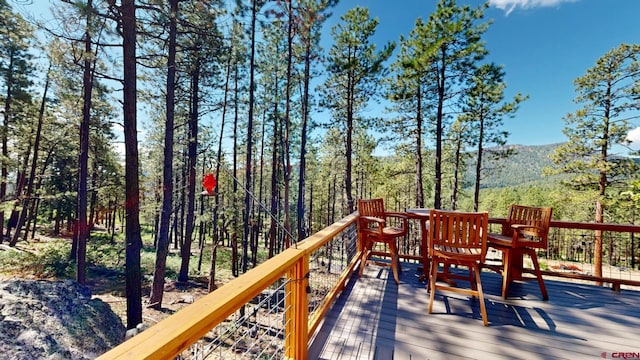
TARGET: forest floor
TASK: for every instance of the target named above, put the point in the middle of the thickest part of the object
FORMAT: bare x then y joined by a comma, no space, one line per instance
106,283
110,287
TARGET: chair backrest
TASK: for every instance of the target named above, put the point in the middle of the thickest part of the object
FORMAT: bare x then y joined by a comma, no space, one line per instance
466,231
538,218
371,207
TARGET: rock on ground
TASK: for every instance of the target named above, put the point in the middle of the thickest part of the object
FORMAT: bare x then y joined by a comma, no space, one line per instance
54,320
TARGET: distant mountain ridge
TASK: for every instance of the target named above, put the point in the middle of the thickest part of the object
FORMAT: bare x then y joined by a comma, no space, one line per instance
524,166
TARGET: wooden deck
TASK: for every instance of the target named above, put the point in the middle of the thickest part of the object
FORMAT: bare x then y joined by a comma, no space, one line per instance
375,319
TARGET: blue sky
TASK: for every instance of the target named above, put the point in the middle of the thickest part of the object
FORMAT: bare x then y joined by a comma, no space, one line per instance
543,45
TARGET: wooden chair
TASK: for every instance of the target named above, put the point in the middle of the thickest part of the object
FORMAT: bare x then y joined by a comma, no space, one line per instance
526,230
374,228
458,238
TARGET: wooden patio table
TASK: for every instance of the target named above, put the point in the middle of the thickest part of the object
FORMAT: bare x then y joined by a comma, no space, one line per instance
422,214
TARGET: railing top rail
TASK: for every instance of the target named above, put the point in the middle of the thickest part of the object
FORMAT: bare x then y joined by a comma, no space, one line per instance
583,225
317,240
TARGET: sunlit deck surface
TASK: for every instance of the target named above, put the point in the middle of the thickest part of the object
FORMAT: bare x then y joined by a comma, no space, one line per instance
376,319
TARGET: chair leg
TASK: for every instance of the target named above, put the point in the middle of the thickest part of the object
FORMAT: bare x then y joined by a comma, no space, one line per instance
433,274
363,259
395,261
506,272
536,267
483,309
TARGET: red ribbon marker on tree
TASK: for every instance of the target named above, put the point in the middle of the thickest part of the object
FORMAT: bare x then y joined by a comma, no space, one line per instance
209,182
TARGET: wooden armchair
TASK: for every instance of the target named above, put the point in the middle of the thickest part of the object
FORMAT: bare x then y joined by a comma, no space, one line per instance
526,230
458,238
374,228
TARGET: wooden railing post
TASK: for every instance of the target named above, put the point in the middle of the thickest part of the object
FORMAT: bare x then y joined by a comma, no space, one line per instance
297,313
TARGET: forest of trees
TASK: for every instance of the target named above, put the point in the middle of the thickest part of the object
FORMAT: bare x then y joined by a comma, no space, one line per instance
229,88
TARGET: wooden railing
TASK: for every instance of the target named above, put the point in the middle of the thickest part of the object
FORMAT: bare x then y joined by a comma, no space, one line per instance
573,242
313,272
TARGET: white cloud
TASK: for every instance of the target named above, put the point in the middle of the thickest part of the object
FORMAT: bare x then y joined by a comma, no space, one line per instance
509,5
634,137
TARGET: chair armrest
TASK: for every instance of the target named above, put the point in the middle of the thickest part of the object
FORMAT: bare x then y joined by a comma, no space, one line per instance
400,216
396,214
526,235
521,229
518,227
371,219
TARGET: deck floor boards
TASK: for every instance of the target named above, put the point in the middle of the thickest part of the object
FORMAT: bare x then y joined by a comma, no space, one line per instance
376,319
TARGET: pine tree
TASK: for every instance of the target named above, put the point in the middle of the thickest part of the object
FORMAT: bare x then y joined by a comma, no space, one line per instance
484,110
407,92
16,68
355,71
608,94
450,47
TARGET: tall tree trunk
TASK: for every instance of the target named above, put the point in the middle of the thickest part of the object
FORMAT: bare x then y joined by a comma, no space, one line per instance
247,197
83,158
34,164
274,176
259,221
192,163
456,173
21,180
287,126
176,210
183,198
260,186
602,190
234,200
94,214
6,119
133,238
162,249
202,226
303,134
419,166
437,202
216,238
349,145
310,229
476,194
33,218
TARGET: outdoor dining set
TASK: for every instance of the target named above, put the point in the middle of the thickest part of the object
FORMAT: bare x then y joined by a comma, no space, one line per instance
457,239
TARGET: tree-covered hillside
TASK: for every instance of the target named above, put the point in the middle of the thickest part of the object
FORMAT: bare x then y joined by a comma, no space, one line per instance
524,166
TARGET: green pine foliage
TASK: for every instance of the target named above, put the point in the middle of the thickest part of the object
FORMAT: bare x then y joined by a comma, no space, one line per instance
524,167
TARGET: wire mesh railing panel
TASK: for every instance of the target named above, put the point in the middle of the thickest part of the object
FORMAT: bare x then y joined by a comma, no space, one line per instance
275,323
573,251
256,331
327,264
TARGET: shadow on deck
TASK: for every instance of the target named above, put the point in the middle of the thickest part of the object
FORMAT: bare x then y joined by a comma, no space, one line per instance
376,319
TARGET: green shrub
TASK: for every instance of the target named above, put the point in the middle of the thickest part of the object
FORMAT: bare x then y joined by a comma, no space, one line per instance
54,260
47,260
